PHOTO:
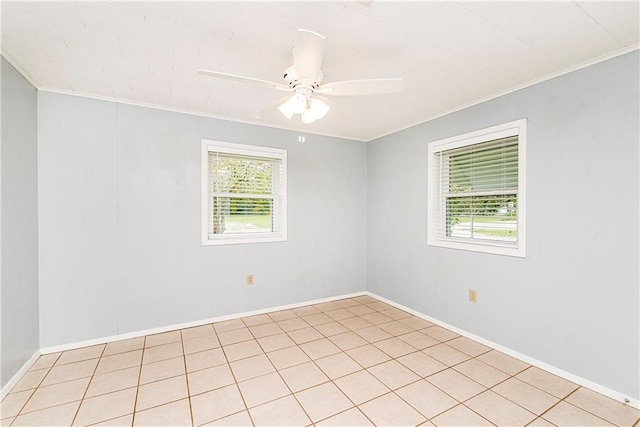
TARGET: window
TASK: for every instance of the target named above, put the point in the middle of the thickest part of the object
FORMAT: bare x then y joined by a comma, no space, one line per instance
244,193
476,191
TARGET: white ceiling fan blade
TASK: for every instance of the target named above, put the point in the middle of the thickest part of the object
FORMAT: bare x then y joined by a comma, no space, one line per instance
307,55
362,87
243,79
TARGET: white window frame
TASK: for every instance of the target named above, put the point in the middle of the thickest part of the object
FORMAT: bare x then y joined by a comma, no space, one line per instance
518,127
251,151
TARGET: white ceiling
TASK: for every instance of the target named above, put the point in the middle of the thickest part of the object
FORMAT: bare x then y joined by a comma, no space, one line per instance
450,54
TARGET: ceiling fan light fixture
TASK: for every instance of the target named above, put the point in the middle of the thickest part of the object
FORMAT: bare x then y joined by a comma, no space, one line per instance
294,105
316,110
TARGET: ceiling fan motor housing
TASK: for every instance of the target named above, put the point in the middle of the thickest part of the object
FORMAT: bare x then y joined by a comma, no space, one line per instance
292,80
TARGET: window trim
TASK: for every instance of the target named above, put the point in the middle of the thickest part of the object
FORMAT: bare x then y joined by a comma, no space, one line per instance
517,127
242,150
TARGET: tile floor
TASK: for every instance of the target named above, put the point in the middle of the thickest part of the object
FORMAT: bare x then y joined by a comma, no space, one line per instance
352,362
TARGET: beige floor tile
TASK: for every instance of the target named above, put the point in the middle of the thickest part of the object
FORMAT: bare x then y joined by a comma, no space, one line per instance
460,416
503,362
340,314
323,401
124,421
349,418
242,350
303,376
396,313
319,348
439,333
481,373
368,355
163,369
240,419
301,336
426,398
106,407
57,394
395,347
282,315
361,310
282,412
468,346
422,364
13,403
45,361
61,415
287,357
259,319
71,371
393,374
499,410
216,404
348,340
292,324
161,392
205,359
418,340
251,367
445,354
80,354
566,415
540,422
327,306
263,389
347,302
123,346
275,342
317,319
395,328
380,306
229,325
373,334
234,336
113,381
361,386
355,323
390,410
197,332
6,421
416,323
546,381
526,395
306,310
209,379
377,318
119,361
198,344
338,365
332,328
30,380
163,338
162,352
604,407
265,330
175,414
455,384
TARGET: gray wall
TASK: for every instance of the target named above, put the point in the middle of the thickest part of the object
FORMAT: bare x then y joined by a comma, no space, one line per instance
573,302
120,221
19,266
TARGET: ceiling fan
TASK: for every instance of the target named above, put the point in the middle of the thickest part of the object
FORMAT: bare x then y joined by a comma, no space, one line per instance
306,80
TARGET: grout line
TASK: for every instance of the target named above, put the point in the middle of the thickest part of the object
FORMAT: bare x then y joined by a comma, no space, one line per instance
186,375
88,384
135,402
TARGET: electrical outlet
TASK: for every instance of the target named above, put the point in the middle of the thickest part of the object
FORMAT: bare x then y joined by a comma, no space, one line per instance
473,295
249,279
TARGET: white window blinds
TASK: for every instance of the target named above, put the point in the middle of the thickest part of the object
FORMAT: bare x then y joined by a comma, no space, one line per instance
478,192
245,196
476,189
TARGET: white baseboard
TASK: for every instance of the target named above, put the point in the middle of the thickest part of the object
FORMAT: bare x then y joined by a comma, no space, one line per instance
620,397
18,376
174,327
